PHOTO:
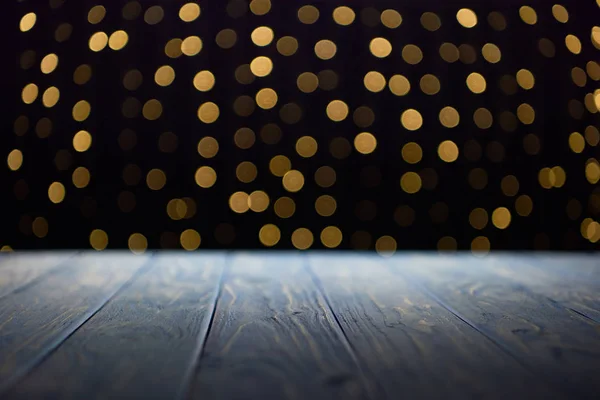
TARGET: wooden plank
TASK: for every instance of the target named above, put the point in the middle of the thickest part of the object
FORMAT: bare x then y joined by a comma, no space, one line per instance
34,321
562,346
410,344
142,343
571,280
20,269
274,337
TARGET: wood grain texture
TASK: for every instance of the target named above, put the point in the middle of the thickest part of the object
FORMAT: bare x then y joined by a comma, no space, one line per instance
142,344
410,344
274,337
20,269
570,280
34,321
562,346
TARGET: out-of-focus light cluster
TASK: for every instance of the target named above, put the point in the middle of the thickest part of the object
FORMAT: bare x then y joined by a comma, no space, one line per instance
283,128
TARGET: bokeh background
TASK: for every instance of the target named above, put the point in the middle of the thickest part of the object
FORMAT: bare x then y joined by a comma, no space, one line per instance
380,125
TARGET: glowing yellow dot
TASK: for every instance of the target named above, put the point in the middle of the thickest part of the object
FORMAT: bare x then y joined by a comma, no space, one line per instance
98,41
374,81
96,14
560,176
81,110
258,201
189,12
98,239
526,114
501,217
576,142
337,110
204,81
476,83
386,246
266,98
448,151
380,47
449,52
81,177
50,97
280,165
118,40
205,177
325,49
246,172
483,118
238,202
343,15
137,243
560,13
412,153
411,119
191,45
56,192
15,160
592,171
49,63
306,146
528,15
262,36
177,209
525,79
269,235
399,85
29,93
164,75
302,238
410,182
412,54
308,14
208,147
449,117
261,66
190,239
491,53
260,7
82,141
152,110
208,112
429,84
325,205
173,48
307,82
573,44
480,245
365,143
293,181
466,17
27,22
391,18
156,179
331,237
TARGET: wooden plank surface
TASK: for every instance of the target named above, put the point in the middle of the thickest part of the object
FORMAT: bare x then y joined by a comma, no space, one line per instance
18,270
143,344
410,344
562,346
35,320
274,337
572,281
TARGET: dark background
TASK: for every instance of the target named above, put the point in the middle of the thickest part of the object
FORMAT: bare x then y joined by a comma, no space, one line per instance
367,189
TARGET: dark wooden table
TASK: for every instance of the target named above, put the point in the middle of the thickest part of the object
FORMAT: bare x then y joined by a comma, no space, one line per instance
279,325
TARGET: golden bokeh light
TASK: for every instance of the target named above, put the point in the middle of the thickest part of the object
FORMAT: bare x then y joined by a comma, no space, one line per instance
491,53
430,21
325,205
365,143
56,192
429,84
306,146
190,239
510,185
260,7
156,179
284,207
449,52
478,218
476,83
164,75
262,36
293,181
258,201
261,66
205,177
380,47
27,22
399,85
81,177
528,15
325,176
480,245
50,97
226,38
412,54
246,172
189,12
308,14
386,246
208,112
29,93
307,82
118,40
525,79
466,17
374,81
573,44
208,147
331,237
82,141
524,205
325,49
280,165
152,110
98,239
15,160
412,153
191,45
269,235
49,63
137,243
154,15
173,48
526,114
81,110
98,41
302,238
238,202
391,18
40,227
483,118
266,98
411,119
448,151
560,13
449,117
501,217
287,46
411,182
343,15
337,110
